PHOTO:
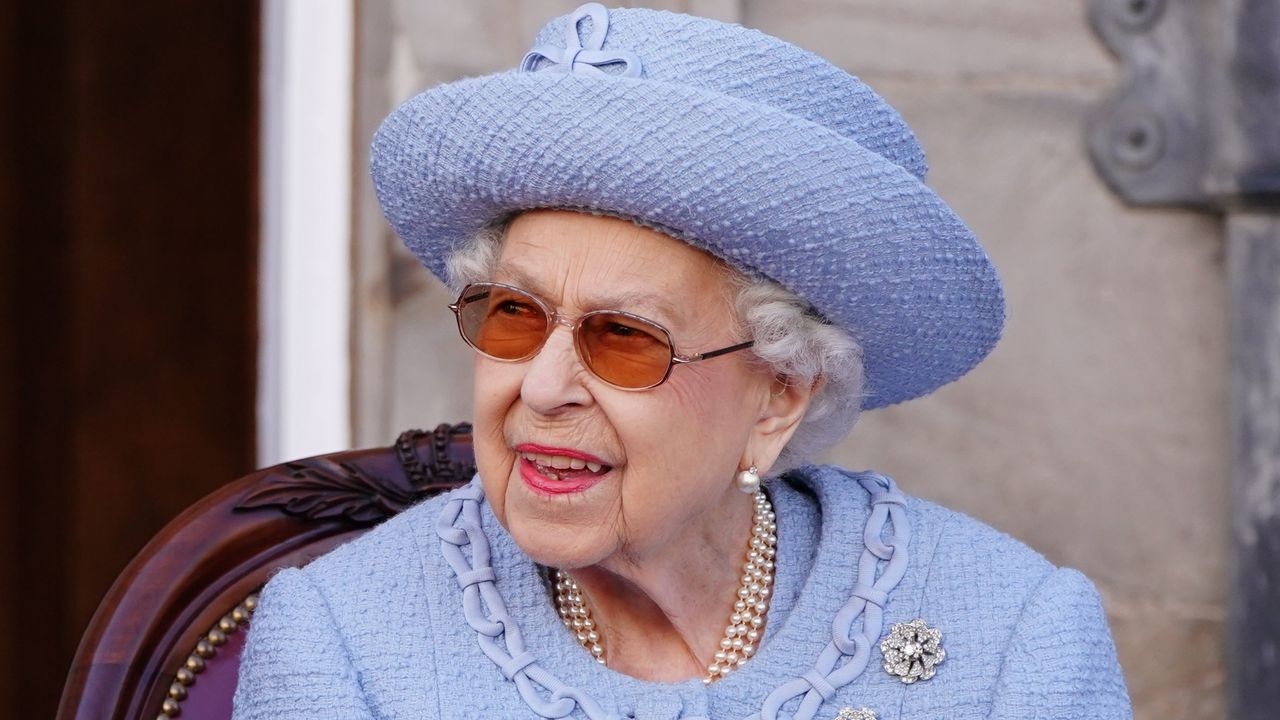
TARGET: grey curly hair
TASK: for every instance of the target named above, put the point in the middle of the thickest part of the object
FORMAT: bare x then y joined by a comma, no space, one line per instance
791,340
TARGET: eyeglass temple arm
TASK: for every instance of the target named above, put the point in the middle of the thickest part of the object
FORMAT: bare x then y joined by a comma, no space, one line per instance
470,298
713,353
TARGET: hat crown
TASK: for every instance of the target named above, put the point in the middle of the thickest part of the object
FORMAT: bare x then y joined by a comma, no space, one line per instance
746,146
740,62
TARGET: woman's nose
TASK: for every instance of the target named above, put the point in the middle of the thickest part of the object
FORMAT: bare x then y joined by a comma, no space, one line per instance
553,378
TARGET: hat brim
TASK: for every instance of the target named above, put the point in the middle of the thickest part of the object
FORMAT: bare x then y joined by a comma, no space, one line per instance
872,248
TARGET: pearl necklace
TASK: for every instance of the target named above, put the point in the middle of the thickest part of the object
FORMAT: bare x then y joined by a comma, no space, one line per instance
746,624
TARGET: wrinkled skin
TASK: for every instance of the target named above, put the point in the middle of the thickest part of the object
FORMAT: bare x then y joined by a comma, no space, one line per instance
656,544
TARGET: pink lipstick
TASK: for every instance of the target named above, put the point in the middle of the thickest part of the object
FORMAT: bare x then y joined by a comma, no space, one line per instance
559,471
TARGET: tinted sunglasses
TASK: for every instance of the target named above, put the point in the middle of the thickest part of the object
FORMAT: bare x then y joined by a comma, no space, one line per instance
626,351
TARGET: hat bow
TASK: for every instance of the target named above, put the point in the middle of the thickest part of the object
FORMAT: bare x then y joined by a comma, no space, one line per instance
575,57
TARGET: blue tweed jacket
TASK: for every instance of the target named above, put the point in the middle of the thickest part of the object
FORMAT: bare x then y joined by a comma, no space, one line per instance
386,627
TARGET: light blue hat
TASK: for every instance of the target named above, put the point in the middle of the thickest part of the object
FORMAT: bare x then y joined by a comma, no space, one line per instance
759,152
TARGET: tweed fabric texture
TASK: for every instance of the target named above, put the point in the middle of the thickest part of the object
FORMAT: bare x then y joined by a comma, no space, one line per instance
759,152
375,628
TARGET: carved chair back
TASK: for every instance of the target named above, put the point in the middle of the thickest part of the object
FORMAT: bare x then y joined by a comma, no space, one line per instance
166,639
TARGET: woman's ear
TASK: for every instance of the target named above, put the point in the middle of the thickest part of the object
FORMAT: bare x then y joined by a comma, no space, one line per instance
780,415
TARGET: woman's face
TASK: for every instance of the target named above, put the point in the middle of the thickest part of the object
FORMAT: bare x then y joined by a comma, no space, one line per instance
667,455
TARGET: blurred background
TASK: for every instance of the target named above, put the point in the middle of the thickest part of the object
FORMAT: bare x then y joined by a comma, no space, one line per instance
199,282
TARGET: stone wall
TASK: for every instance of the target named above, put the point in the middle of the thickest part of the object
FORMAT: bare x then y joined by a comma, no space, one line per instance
1095,431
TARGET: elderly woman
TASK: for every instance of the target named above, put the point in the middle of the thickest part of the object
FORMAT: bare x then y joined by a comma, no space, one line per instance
687,255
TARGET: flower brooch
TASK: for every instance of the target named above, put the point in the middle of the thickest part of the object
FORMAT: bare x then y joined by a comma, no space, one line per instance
912,651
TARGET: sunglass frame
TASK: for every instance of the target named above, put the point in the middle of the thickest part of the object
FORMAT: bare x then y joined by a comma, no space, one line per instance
554,318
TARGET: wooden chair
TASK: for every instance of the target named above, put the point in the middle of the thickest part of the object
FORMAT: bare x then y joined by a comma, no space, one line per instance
166,639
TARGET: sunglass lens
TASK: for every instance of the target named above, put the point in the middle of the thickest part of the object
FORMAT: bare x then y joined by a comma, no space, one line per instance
624,350
501,322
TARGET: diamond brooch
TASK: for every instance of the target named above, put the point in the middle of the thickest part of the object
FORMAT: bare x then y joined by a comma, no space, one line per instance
912,651
862,713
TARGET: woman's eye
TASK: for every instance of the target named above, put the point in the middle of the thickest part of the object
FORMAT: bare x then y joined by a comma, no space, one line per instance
623,330
513,307
632,335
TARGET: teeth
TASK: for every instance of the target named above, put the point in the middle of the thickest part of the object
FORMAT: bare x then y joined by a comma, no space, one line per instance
561,462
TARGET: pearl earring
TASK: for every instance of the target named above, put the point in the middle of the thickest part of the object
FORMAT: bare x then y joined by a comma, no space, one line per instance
749,480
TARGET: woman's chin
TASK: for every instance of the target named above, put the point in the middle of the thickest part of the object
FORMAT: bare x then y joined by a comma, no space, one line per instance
562,522
558,546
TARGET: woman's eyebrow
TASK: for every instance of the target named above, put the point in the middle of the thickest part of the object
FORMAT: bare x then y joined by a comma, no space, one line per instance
650,303
640,301
512,275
